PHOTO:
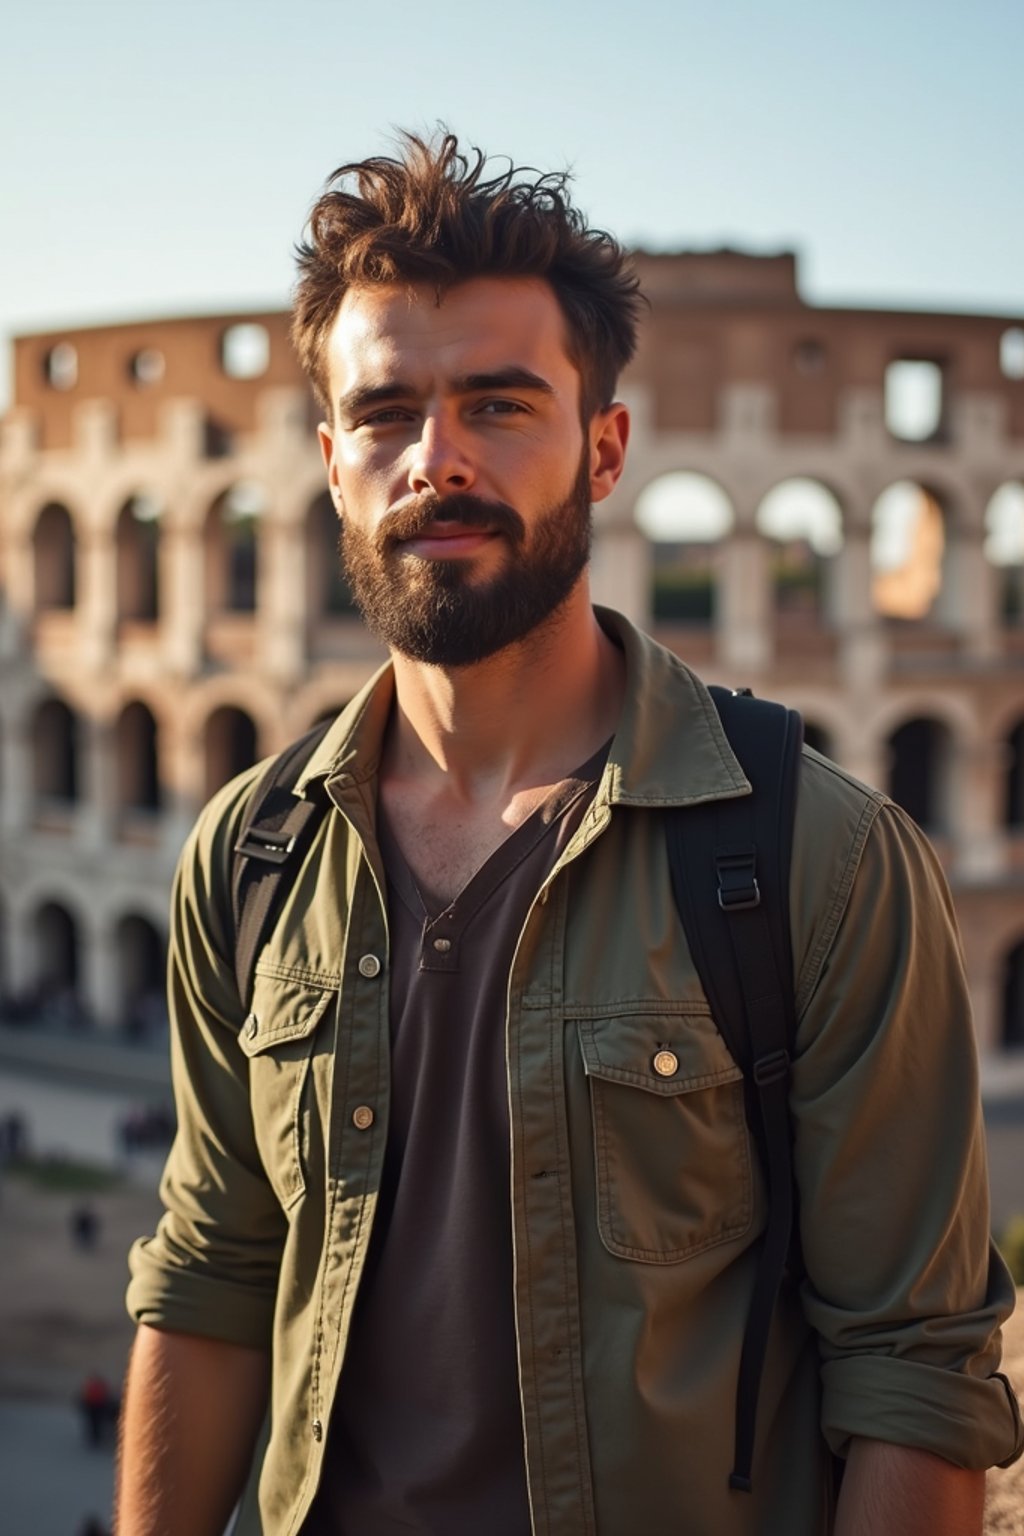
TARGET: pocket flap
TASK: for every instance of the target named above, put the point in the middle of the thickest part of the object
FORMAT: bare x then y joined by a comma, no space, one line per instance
282,1010
663,1053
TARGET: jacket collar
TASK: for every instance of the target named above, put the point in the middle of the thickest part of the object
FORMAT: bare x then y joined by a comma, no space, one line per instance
669,747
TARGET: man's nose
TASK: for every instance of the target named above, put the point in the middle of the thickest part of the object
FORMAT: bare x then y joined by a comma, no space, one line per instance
440,460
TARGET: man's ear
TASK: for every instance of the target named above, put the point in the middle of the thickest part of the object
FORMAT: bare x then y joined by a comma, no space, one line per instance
609,437
325,437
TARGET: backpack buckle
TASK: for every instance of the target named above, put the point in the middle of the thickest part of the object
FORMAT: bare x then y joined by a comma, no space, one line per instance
269,847
738,889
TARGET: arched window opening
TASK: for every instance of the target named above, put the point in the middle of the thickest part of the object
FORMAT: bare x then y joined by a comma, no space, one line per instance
915,400
1004,548
1015,779
230,746
1013,1000
908,545
329,595
819,738
685,516
60,366
245,350
233,548
805,524
1011,352
53,551
141,954
138,777
57,964
55,754
137,541
920,753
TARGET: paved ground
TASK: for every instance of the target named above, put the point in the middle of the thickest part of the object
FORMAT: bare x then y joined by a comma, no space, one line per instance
62,1316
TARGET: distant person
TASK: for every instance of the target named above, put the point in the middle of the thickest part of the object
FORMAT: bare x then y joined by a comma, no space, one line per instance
85,1227
464,1208
99,1408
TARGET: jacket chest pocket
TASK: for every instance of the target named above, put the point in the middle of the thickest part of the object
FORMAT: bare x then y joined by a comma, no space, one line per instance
671,1150
280,1037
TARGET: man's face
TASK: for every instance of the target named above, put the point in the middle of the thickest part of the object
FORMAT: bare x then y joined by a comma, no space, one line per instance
458,463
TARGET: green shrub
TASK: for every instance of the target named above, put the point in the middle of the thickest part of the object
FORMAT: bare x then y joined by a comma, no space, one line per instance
1011,1246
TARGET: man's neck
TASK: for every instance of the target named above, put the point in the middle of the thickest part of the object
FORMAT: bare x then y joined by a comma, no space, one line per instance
523,718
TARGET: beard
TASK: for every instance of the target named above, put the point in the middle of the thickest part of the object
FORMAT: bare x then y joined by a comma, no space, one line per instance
434,611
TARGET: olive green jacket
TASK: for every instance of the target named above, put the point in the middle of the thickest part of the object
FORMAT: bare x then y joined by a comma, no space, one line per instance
636,1198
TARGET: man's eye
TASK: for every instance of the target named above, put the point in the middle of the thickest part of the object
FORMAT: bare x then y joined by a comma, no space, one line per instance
501,407
384,418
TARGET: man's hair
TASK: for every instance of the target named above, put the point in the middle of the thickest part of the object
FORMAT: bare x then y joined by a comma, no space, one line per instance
432,216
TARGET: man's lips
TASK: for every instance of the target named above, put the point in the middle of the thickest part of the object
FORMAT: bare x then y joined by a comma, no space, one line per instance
448,539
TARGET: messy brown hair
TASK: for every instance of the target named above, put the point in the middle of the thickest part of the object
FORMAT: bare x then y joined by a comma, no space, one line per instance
434,216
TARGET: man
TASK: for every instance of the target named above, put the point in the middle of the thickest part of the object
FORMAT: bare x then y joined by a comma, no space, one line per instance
463,1209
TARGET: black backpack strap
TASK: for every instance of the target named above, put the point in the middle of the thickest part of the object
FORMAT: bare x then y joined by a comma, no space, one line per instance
730,863
277,830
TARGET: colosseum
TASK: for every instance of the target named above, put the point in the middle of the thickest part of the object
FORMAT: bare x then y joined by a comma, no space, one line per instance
825,504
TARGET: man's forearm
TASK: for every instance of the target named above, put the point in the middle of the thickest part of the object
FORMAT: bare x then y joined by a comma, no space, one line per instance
897,1490
192,1409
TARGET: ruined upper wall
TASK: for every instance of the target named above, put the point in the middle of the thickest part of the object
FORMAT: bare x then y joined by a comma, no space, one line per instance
717,319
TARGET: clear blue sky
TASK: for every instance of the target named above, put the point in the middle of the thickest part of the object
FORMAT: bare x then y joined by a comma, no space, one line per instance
161,158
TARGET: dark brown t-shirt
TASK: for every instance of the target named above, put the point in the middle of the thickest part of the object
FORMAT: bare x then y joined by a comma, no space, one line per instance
426,1434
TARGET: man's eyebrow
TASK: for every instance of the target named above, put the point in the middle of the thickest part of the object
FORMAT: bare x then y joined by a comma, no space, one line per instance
512,377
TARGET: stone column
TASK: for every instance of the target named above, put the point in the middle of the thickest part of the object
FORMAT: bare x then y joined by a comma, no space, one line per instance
977,792
620,570
281,600
744,609
969,599
16,774
182,599
96,821
862,638
99,982
97,608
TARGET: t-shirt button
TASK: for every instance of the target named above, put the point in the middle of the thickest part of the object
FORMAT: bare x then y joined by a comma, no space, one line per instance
442,946
666,1063
362,1117
369,965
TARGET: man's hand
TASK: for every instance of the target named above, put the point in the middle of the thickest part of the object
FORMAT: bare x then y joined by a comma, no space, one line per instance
897,1490
193,1407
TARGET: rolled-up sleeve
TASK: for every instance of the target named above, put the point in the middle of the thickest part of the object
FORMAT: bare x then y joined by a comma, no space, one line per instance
211,1267
902,1284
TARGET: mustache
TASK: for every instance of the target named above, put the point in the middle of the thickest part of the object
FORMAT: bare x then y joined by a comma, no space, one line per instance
470,511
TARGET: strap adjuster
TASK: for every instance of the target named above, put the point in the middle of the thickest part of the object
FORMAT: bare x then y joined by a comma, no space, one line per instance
770,1068
738,889
268,847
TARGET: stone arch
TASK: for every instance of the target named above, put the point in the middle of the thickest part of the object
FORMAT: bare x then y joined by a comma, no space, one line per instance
803,521
685,516
55,736
54,558
1011,1035
327,592
909,523
1013,797
921,758
230,745
137,545
138,760
1004,549
56,968
141,967
231,539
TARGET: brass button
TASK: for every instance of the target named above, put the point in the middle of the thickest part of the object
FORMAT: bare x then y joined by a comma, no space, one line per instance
251,1026
442,946
369,966
318,1430
666,1063
362,1118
